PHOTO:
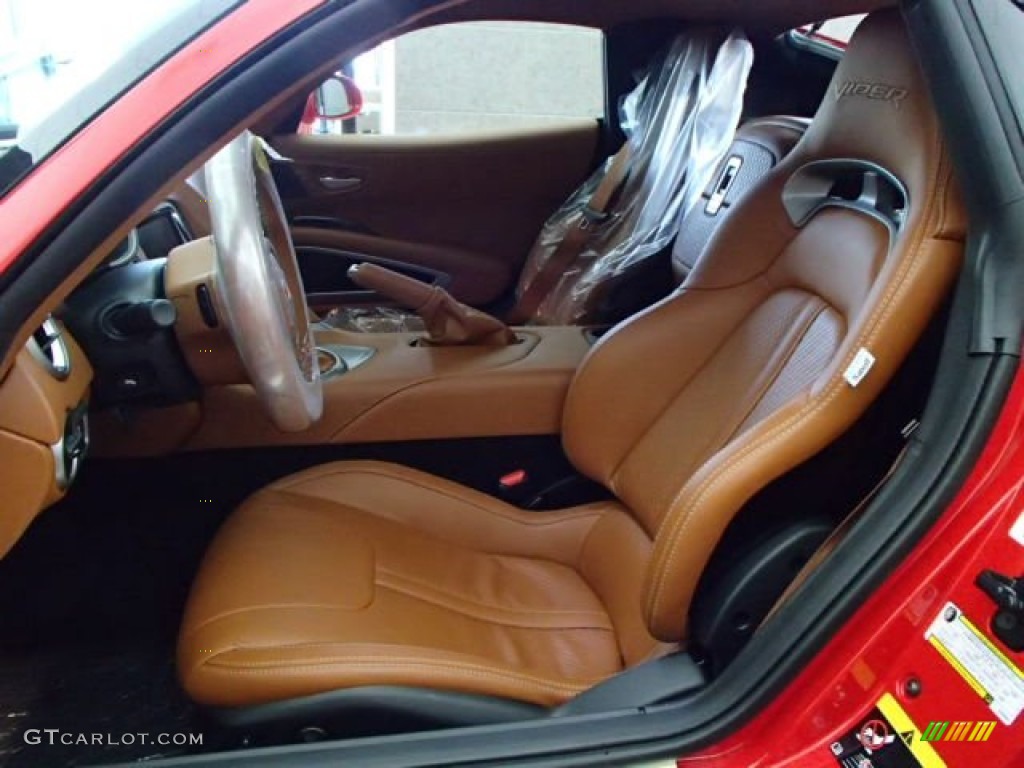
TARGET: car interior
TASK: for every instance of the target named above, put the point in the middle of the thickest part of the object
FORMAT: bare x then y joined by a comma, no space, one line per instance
285,462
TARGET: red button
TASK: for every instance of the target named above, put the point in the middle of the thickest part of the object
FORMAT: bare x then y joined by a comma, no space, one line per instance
512,479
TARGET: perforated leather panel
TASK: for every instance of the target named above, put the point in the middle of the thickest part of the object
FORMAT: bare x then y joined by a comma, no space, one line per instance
759,146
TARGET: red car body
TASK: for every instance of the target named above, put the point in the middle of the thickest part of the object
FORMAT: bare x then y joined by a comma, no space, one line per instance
883,647
881,650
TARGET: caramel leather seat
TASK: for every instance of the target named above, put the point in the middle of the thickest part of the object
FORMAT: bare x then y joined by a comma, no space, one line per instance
357,575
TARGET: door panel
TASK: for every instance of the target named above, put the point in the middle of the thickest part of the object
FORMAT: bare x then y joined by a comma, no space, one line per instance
468,205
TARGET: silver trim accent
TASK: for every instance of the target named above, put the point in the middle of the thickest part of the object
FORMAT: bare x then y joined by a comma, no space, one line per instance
820,47
274,155
723,184
177,220
65,468
335,184
346,358
130,254
55,357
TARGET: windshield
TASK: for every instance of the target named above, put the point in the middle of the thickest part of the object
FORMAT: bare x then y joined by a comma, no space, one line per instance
63,61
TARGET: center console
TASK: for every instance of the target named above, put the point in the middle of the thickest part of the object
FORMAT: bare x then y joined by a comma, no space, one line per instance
389,387
378,387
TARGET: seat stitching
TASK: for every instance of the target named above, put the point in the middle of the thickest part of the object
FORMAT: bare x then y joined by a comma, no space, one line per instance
293,499
450,601
668,301
613,476
907,270
881,312
266,607
582,514
390,663
793,346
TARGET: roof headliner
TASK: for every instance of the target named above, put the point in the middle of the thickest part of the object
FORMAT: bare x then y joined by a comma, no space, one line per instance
751,14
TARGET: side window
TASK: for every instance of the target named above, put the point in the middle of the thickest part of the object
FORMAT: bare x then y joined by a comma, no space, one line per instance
830,36
464,78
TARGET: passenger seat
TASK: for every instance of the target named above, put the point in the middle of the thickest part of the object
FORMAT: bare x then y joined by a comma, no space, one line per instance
760,144
579,298
679,121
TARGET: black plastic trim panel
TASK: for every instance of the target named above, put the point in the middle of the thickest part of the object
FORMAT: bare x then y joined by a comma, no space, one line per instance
984,138
372,709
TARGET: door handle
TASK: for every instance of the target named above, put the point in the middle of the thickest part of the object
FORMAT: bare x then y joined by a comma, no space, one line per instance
335,184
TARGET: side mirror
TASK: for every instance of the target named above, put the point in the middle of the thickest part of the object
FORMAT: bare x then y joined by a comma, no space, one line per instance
338,98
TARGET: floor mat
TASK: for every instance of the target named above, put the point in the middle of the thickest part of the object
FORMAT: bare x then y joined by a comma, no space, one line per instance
108,704
90,602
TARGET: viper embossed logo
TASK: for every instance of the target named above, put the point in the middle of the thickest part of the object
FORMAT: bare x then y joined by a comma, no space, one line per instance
876,91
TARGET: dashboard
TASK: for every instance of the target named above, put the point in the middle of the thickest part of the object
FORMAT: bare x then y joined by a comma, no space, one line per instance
44,426
110,345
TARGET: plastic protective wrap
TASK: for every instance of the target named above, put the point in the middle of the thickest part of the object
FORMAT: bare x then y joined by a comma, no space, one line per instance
679,122
373,320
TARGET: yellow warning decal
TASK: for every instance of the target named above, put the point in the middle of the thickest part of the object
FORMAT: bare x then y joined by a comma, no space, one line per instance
985,668
970,679
909,733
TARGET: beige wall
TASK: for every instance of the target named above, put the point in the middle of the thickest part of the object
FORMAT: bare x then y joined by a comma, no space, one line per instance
496,75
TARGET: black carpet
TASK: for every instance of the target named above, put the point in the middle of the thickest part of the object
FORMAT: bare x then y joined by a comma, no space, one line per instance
116,693
90,602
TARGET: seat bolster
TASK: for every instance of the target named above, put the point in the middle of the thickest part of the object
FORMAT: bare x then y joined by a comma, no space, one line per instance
795,432
448,511
244,676
614,563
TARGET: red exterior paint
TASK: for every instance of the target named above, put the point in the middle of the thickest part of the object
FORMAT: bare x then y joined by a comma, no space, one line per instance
309,116
876,652
884,645
27,210
310,113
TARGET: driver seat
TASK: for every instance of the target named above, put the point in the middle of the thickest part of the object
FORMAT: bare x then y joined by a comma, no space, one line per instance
364,576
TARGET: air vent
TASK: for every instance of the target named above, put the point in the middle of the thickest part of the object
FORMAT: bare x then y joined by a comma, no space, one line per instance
48,346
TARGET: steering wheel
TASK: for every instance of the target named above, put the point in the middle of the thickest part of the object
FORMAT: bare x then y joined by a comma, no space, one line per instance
259,285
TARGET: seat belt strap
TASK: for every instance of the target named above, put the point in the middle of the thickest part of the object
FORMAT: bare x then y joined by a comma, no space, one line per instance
840,532
572,244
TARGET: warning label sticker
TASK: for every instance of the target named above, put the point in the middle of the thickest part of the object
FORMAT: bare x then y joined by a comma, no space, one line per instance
885,738
983,666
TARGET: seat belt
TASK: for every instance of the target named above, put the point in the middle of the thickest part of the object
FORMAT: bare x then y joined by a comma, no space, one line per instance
571,245
841,530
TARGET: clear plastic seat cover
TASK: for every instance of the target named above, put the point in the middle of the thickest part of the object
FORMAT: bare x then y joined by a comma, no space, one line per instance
679,122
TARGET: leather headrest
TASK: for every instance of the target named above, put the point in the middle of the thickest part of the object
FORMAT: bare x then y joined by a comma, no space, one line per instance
877,107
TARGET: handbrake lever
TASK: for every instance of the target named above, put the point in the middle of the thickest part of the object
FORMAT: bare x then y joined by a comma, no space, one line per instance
448,322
